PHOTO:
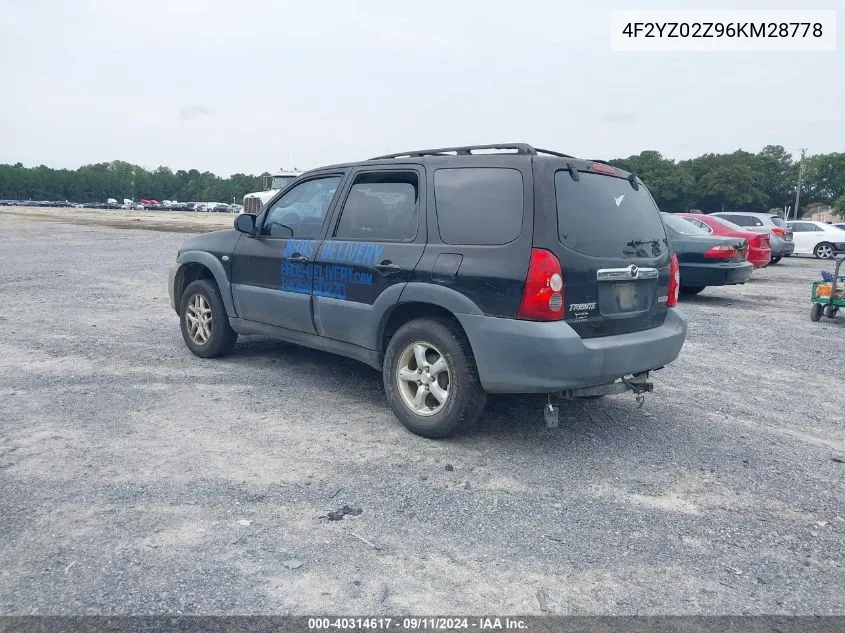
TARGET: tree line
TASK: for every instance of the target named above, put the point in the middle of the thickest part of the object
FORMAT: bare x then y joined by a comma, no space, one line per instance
119,180
740,181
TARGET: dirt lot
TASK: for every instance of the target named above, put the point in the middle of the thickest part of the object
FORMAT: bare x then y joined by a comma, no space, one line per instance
136,478
170,221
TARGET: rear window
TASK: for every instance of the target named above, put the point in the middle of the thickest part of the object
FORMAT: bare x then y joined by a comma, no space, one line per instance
741,220
478,205
682,226
778,222
605,216
727,223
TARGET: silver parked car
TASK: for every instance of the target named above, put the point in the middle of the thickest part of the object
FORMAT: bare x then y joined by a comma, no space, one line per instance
780,235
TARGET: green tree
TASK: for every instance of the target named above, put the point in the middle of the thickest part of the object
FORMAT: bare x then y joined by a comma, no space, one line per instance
839,206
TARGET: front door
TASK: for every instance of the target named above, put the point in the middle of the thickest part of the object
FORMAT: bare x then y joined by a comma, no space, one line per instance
375,243
273,271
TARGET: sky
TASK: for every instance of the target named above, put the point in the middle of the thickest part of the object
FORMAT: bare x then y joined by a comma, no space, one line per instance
256,85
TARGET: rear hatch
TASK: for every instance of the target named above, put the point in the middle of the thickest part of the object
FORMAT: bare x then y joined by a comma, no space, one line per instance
782,229
606,230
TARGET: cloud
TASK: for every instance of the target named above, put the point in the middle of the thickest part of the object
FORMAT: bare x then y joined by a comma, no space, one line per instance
194,112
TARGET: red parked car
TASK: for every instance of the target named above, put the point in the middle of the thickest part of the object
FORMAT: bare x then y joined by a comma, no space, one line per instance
759,251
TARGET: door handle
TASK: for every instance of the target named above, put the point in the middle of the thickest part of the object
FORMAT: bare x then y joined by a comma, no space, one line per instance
297,258
387,267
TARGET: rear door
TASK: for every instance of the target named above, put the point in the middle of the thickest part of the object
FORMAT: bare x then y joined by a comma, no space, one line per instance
608,235
375,241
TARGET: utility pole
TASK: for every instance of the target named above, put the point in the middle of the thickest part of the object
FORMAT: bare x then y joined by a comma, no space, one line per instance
800,179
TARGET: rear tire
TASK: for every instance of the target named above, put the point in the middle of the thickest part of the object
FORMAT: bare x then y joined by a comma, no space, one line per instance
775,260
691,290
816,312
205,324
830,311
823,251
431,380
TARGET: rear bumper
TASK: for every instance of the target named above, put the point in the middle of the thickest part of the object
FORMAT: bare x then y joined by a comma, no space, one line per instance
781,248
515,356
721,274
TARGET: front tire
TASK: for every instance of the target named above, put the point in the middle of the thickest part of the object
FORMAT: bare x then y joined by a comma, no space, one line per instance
691,290
431,380
823,251
205,324
775,260
816,312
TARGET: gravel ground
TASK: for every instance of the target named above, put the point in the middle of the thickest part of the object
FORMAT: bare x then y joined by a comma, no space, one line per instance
137,478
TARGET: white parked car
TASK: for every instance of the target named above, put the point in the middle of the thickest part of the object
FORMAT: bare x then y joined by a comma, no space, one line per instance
817,238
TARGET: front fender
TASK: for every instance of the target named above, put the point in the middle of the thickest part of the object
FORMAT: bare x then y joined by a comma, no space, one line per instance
218,272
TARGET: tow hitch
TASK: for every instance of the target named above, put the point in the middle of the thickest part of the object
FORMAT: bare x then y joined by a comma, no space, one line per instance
639,384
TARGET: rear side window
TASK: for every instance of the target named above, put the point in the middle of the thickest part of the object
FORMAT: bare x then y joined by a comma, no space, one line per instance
478,205
381,207
605,216
745,220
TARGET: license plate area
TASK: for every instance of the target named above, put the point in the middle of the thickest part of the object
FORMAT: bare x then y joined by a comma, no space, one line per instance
626,297
625,291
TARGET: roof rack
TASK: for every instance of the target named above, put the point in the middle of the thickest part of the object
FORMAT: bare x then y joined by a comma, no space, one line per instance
467,150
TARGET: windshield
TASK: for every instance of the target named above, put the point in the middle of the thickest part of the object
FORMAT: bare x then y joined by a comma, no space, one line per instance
682,226
604,216
778,221
280,182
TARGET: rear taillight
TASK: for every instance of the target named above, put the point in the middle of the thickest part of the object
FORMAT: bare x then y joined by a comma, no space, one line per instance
722,251
542,299
674,282
779,232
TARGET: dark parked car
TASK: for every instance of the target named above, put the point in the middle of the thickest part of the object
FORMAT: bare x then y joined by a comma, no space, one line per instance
705,259
454,273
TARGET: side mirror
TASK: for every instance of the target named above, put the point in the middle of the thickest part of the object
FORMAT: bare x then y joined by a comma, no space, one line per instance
245,223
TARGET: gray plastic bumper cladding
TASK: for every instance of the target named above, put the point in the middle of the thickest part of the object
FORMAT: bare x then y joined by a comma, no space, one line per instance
530,357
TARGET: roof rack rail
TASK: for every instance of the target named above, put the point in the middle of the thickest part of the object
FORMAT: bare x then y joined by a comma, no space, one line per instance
462,150
553,153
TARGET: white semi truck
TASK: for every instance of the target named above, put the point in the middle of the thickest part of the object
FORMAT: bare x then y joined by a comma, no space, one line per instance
254,201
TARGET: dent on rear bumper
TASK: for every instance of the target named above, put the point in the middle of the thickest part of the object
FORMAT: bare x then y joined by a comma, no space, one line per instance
515,356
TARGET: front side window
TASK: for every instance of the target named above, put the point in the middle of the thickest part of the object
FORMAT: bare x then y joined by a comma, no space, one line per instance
301,211
381,207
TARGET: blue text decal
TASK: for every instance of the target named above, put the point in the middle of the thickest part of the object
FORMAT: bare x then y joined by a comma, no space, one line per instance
356,253
336,269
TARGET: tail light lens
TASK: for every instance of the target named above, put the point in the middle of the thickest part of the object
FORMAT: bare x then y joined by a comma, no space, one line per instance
674,281
779,232
601,168
542,299
722,251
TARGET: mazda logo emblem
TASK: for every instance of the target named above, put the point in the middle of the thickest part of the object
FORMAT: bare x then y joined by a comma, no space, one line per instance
634,271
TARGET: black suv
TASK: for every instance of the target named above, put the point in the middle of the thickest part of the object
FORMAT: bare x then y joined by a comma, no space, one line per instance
456,272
